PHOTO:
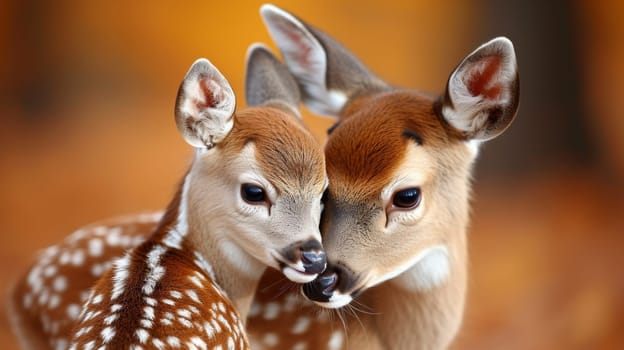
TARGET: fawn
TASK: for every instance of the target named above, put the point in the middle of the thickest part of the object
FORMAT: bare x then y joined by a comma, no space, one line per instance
250,199
399,164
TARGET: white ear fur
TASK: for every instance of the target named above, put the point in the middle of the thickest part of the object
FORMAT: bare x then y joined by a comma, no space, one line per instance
482,93
306,59
205,105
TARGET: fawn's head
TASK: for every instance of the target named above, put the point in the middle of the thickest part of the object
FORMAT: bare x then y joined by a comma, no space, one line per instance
398,161
258,174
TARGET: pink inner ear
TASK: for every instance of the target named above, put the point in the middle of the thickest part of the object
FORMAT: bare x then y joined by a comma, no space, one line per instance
301,53
211,91
481,80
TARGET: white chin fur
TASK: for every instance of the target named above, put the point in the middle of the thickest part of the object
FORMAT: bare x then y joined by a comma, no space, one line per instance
298,276
336,301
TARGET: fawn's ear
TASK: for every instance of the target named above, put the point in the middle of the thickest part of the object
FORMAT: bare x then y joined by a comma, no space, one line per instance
269,83
482,93
205,105
329,75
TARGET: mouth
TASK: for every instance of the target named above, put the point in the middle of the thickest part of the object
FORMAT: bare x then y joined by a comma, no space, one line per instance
332,291
294,271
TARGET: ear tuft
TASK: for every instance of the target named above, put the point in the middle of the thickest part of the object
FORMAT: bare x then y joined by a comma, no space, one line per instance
482,93
205,105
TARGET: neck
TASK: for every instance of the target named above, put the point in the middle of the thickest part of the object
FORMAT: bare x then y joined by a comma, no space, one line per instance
428,316
235,272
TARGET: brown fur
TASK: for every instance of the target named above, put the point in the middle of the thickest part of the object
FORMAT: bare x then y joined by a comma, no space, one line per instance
285,158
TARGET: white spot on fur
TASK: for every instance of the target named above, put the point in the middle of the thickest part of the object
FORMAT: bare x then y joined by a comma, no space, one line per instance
148,312
90,345
50,271
65,258
60,283
97,299
142,335
78,257
196,281
55,300
209,330
95,247
107,334
73,311
225,323
335,341
271,311
301,325
108,320
300,346
150,301
199,342
270,339
173,341
119,277
184,313
159,344
155,270
147,324
216,326
186,323
221,307
193,295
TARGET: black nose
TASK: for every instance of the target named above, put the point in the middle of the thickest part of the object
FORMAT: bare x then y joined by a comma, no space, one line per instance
322,288
313,257
313,261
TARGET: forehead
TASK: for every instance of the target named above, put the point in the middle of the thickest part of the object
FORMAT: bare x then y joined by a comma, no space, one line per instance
365,150
287,154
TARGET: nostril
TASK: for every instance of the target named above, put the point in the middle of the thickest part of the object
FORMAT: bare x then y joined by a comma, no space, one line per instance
313,261
328,283
322,288
312,257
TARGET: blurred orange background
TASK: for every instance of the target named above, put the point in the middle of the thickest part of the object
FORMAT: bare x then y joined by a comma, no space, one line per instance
87,132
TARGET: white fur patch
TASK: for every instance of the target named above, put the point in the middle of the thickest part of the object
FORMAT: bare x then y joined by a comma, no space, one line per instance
121,267
474,146
429,272
337,300
155,269
174,237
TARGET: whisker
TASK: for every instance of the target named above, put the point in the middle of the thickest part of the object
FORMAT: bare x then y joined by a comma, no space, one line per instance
362,308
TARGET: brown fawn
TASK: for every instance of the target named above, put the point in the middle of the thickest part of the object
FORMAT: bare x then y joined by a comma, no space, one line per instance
250,199
399,165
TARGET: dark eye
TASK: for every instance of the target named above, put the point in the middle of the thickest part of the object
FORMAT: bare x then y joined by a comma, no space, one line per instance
252,193
406,199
